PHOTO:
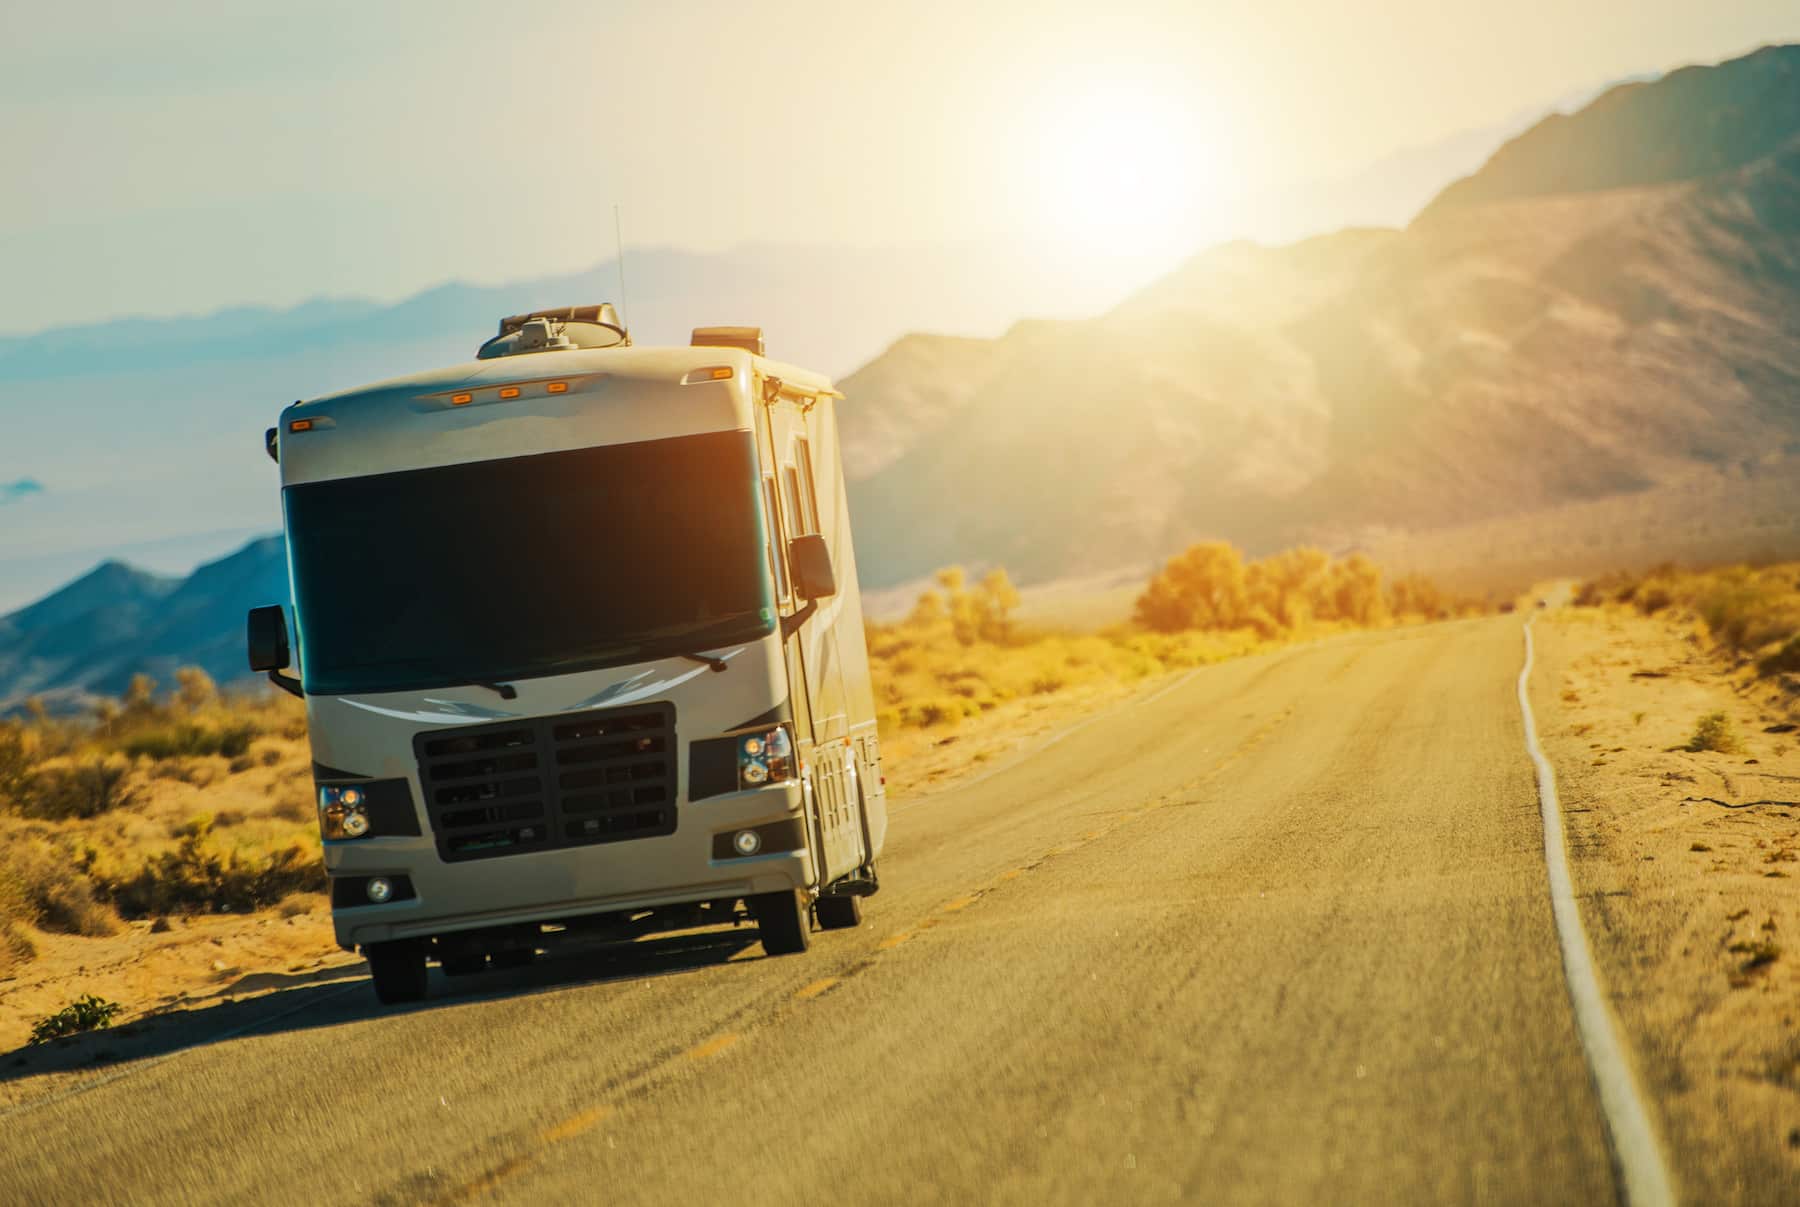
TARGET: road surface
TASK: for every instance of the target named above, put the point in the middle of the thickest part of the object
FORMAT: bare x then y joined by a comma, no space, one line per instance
1277,931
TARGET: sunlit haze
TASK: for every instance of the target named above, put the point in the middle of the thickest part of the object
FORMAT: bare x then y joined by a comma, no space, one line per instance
177,158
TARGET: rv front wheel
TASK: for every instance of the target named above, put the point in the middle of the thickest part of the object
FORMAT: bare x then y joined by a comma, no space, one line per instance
781,921
398,970
839,913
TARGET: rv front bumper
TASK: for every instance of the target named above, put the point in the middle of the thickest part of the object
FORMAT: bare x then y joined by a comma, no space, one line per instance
699,862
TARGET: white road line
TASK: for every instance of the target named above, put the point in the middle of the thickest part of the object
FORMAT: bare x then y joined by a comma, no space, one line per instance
1639,1160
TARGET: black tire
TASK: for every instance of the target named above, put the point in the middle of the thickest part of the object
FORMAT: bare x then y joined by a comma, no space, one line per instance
398,971
839,913
463,965
514,957
781,922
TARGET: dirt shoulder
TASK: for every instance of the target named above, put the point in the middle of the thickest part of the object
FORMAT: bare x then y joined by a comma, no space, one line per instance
1688,868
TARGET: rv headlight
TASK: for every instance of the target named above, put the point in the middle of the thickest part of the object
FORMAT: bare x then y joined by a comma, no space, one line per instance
765,758
343,812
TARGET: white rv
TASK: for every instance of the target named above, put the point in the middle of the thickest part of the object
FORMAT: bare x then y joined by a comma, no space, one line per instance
578,631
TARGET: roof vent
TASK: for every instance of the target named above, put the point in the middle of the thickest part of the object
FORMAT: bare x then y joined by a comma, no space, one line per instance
748,338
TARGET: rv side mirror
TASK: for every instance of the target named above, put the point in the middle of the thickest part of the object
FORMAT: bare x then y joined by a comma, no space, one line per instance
266,634
811,559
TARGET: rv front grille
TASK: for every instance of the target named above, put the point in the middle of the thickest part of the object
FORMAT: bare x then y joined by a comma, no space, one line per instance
547,782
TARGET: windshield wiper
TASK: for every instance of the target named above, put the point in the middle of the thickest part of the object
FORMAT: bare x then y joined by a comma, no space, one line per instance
506,690
717,664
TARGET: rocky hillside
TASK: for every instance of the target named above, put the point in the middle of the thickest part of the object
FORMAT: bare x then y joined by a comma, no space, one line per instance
1608,310
91,636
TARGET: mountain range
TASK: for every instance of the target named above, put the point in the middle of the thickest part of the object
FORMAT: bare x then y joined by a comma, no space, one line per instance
1607,312
91,636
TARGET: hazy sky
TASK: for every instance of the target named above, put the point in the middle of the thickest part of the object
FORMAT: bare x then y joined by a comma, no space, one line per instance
177,157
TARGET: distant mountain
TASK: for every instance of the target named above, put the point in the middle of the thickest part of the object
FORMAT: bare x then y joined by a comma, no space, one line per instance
91,636
1688,125
1609,309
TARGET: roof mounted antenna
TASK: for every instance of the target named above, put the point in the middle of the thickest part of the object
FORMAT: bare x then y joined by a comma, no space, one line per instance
619,244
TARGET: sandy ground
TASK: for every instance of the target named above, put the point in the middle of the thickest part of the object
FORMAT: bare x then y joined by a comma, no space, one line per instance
1688,865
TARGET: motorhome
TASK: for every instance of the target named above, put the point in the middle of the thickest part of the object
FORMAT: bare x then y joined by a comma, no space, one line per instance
578,632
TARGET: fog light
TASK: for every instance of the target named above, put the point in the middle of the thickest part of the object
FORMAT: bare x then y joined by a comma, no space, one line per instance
747,842
355,823
381,888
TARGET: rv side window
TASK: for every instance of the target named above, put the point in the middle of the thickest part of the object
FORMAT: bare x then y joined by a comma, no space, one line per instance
776,544
791,481
809,496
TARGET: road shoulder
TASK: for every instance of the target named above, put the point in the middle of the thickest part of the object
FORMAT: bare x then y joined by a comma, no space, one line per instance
1690,893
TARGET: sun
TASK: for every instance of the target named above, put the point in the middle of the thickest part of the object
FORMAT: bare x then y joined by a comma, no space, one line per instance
1123,169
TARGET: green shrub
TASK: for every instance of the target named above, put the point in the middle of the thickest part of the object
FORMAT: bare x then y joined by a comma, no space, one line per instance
1714,731
195,878
84,787
85,1013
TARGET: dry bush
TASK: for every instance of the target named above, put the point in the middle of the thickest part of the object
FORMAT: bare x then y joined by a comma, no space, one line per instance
1210,586
82,787
1714,731
49,888
1784,661
1751,612
197,878
189,739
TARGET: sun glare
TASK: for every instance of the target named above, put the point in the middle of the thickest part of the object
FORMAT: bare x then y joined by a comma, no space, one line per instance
1124,170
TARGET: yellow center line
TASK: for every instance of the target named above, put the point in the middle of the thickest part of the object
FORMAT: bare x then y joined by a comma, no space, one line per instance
1012,873
712,1047
575,1124
893,941
951,907
815,989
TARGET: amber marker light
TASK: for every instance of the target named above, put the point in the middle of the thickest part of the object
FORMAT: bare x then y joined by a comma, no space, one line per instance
721,373
461,400
557,387
509,391
300,425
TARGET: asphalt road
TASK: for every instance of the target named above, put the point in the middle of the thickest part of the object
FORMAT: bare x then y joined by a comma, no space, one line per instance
1277,932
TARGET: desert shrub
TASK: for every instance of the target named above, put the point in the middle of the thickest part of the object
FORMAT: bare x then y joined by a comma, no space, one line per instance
1203,587
1209,586
190,739
15,764
82,787
194,689
50,889
1714,731
1785,660
85,1013
196,878
16,947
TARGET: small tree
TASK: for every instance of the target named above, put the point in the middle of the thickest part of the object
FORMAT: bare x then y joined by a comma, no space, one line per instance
996,601
140,695
194,688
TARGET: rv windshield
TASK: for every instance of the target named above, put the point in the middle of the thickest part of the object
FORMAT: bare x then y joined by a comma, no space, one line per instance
499,570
